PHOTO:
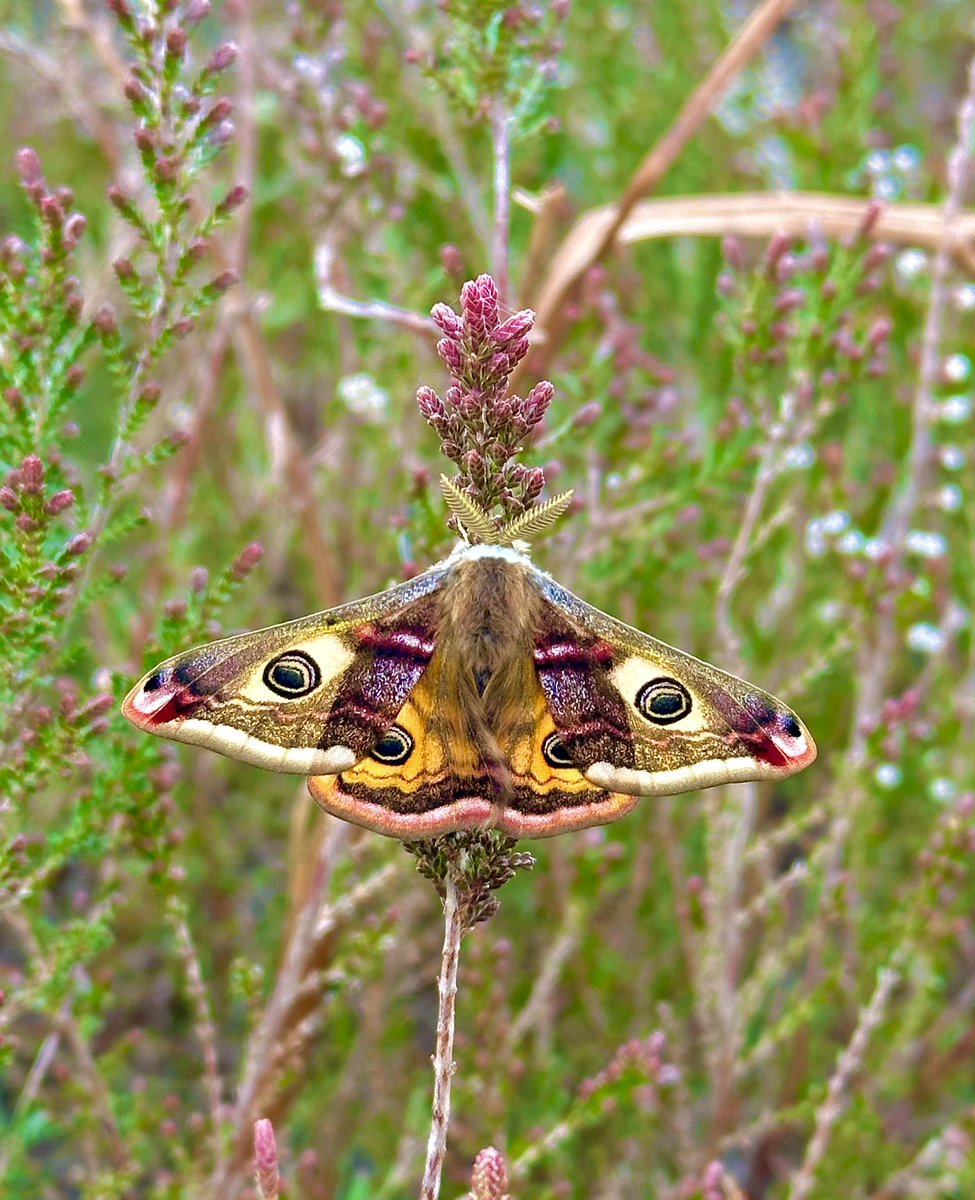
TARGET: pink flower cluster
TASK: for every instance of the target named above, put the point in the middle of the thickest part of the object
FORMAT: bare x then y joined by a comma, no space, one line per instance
480,425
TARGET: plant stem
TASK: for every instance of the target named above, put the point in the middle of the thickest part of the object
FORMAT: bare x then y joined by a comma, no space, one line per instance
501,138
443,1062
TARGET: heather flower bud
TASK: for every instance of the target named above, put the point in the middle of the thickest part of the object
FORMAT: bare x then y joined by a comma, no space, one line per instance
166,168
59,502
430,404
149,394
32,475
195,11
135,91
451,354
9,500
118,199
265,1160
98,706
870,219
219,111
223,57
224,281
731,248
233,199
451,261
123,267
517,326
105,320
447,320
28,166
247,560
533,482
876,256
489,1177
879,332
51,211
26,523
537,401
176,42
777,248
588,414
78,544
122,10
790,299
74,227
13,248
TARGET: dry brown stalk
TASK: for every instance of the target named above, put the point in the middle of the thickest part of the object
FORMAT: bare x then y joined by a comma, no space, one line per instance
744,47
443,1059
751,215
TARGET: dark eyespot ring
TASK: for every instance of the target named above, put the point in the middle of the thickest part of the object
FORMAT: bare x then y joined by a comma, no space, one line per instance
664,701
154,682
394,747
555,753
791,726
292,674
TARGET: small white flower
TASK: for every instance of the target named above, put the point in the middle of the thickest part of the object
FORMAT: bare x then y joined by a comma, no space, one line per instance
965,296
352,153
949,497
952,458
906,159
943,790
799,458
957,368
926,638
878,161
955,409
874,548
885,187
888,775
363,396
926,543
852,542
836,521
910,263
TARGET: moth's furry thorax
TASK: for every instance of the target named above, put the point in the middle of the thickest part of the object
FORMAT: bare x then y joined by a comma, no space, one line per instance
483,668
490,612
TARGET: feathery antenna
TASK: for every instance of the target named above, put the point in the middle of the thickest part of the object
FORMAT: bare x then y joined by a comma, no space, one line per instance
472,517
477,523
536,520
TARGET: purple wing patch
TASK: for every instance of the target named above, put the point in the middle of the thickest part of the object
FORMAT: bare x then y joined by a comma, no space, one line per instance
588,712
391,658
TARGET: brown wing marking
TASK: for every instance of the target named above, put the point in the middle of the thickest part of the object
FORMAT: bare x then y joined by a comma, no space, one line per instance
547,798
439,786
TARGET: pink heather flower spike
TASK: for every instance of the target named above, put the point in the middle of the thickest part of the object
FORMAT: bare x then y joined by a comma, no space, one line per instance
481,426
489,1177
265,1160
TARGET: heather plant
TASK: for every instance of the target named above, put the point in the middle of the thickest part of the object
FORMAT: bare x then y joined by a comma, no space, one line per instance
718,284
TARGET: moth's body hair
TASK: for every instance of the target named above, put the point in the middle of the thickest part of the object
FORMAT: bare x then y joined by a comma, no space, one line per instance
489,619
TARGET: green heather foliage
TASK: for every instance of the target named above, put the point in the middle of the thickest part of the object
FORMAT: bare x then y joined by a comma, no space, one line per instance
754,991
